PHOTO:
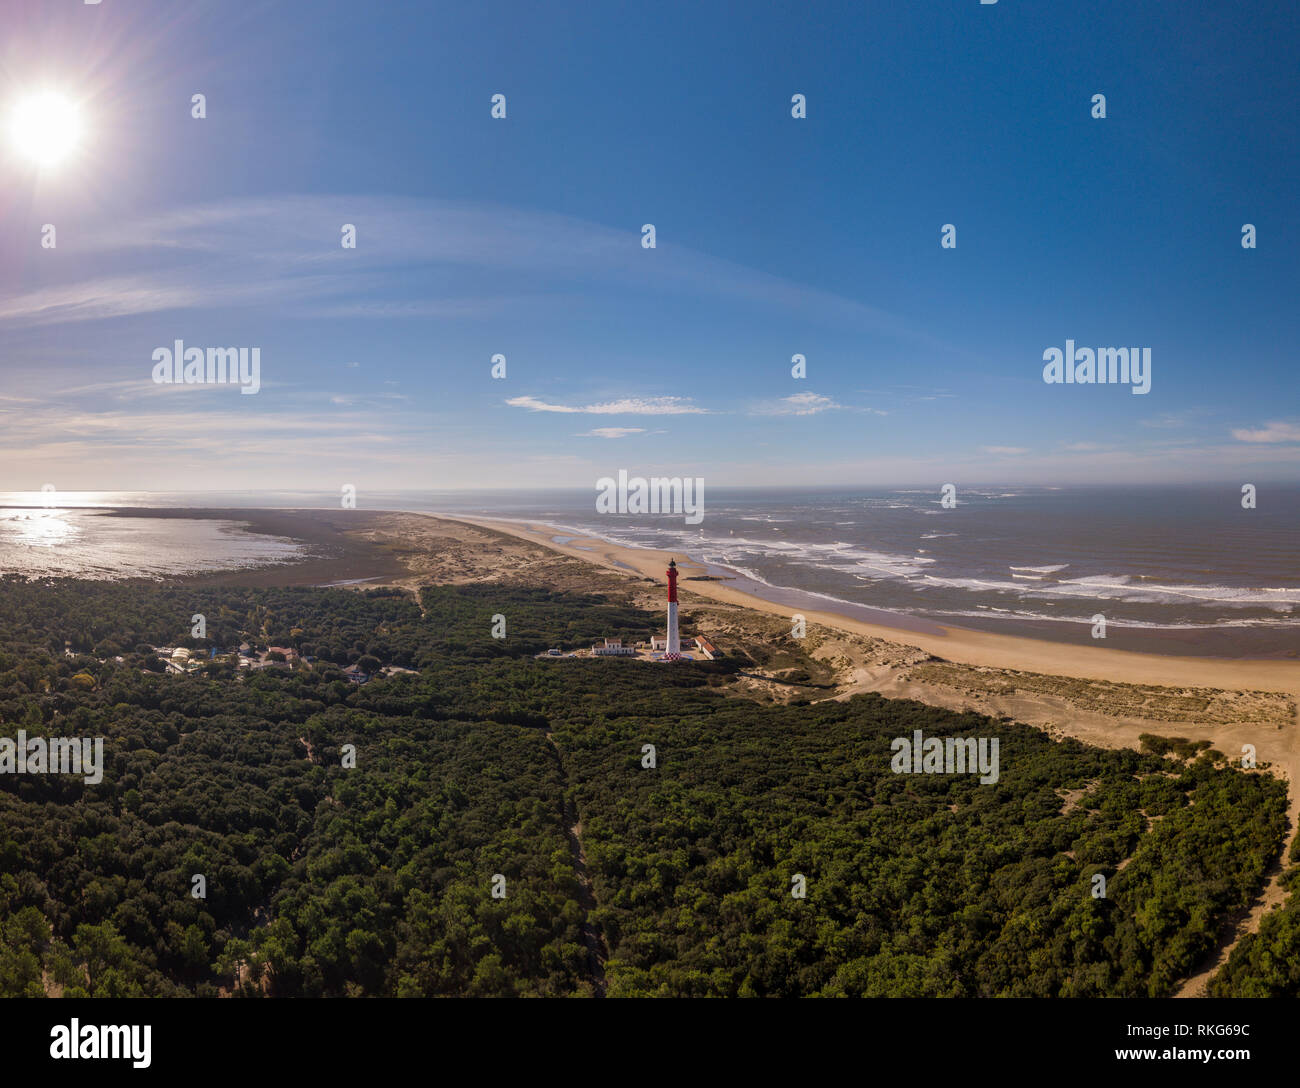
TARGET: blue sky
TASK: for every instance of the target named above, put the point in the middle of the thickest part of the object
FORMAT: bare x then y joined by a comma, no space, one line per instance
775,236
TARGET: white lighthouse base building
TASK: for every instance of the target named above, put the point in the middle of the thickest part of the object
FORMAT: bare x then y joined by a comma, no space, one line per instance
674,642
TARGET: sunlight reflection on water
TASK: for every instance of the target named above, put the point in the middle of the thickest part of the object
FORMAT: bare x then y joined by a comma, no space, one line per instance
81,543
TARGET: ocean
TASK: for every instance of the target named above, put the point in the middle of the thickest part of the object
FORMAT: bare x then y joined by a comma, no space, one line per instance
1168,567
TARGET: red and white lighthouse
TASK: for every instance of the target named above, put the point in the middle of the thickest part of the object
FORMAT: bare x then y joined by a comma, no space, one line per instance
674,645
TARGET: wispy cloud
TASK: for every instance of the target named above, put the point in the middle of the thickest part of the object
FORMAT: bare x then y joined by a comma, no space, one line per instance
807,404
1005,451
1270,432
798,404
628,406
270,252
611,432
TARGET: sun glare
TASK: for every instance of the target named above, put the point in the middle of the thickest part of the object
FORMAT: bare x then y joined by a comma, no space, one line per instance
45,128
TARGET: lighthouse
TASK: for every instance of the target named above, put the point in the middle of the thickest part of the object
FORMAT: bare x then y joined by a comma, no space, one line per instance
674,646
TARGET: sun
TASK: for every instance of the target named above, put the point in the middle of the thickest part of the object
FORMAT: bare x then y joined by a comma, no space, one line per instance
45,128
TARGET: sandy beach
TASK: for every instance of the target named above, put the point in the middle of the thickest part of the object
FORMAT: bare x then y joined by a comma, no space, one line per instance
951,643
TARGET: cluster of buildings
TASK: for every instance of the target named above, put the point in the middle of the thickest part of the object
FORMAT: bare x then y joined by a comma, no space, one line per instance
182,659
656,649
247,659
357,675
179,660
